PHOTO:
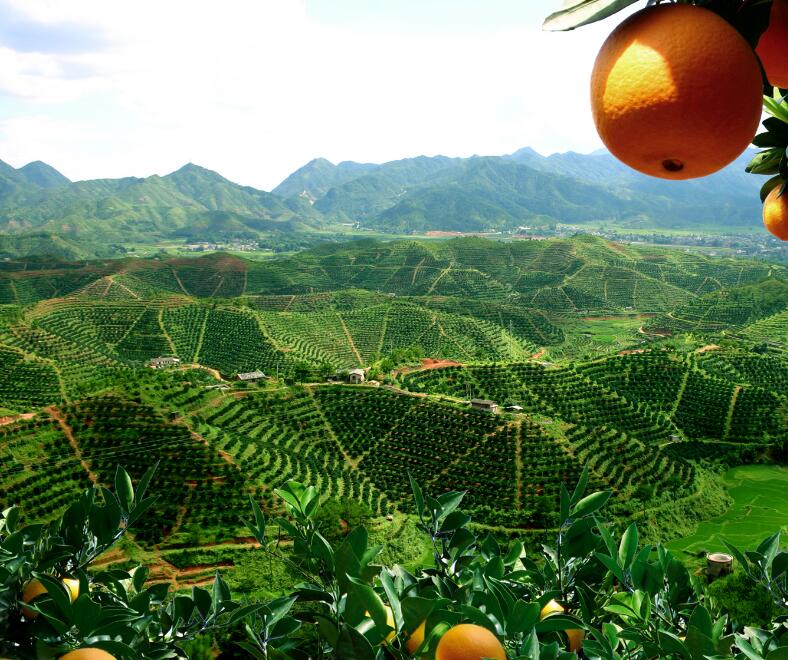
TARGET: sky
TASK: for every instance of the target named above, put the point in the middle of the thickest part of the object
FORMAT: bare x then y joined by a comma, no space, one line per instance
254,89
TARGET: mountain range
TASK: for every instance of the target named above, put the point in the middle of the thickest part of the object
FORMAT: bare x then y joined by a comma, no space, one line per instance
39,206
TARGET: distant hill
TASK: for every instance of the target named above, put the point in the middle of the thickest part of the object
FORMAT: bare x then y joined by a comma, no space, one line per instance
494,193
412,195
318,176
43,175
37,201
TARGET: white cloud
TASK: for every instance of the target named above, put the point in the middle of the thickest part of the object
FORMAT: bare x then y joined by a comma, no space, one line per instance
254,88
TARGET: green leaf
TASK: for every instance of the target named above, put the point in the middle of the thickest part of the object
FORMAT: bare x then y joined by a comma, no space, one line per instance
142,486
670,644
579,540
767,187
138,577
590,504
372,604
766,162
352,644
416,609
582,12
780,565
140,509
246,611
628,546
558,622
57,591
612,565
776,108
252,650
475,615
418,496
581,486
85,614
769,547
739,557
288,496
523,617
284,628
449,502
391,594
768,140
118,649
124,489
454,520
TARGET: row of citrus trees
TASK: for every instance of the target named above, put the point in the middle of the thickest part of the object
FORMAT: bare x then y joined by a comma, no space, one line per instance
590,595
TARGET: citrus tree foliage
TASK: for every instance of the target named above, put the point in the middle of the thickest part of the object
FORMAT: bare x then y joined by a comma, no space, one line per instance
619,598
112,609
774,142
629,600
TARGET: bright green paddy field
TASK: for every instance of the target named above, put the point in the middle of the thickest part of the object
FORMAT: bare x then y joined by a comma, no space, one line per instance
760,508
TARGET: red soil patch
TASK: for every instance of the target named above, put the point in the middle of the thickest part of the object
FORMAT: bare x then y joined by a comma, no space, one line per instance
10,419
426,365
632,352
538,354
707,348
432,363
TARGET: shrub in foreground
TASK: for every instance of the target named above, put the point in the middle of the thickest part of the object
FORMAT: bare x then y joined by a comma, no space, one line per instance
589,595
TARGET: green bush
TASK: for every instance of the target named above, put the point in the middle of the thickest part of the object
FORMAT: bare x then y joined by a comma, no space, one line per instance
622,599
745,602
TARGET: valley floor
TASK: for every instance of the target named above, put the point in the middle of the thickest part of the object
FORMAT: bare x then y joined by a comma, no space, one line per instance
760,508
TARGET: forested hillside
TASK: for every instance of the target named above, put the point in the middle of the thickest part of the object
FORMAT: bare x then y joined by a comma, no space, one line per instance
41,211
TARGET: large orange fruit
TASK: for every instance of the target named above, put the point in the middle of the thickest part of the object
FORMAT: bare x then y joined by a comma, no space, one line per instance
775,213
676,92
467,641
773,45
416,639
575,638
34,588
87,654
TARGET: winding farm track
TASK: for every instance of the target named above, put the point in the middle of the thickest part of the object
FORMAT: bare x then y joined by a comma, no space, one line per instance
160,318
518,466
57,415
729,415
350,340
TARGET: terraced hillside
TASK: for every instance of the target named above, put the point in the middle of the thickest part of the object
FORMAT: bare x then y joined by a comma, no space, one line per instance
466,300
653,397
643,363
582,274
352,442
731,309
78,338
635,419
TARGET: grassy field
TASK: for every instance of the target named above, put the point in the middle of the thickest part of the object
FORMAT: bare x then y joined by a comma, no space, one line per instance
592,336
760,508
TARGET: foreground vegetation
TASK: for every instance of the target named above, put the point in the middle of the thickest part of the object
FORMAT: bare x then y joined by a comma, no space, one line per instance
589,593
